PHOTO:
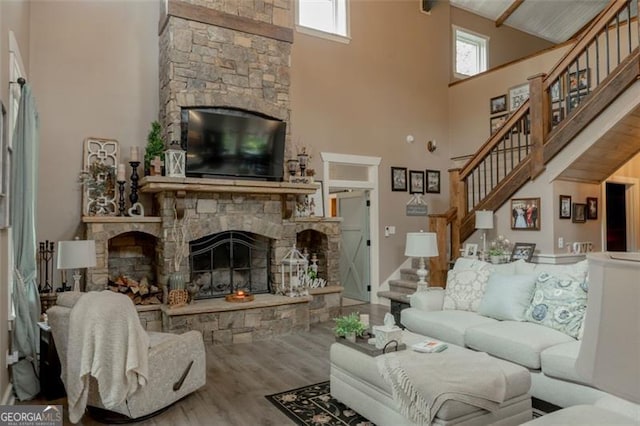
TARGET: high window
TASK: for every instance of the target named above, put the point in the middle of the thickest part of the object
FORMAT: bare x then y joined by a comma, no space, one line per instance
324,18
471,51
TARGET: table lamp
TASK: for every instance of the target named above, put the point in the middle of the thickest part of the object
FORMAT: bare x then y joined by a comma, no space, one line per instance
484,221
76,254
421,245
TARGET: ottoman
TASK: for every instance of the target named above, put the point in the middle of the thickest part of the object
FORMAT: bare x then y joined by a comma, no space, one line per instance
355,381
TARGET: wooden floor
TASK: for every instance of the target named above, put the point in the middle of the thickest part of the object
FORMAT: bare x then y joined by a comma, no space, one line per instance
239,376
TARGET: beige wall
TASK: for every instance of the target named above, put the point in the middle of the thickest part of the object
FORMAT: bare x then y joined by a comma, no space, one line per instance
94,73
14,16
571,232
365,97
506,44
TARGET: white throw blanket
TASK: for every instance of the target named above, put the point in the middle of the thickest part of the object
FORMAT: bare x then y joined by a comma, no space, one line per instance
421,382
106,341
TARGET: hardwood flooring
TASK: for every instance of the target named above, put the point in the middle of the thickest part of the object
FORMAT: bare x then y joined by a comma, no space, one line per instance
239,376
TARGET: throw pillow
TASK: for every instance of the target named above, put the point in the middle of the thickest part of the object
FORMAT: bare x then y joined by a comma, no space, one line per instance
573,271
558,303
463,263
507,297
465,289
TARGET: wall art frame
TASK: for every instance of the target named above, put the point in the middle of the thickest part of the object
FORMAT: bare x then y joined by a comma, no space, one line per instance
433,181
579,213
517,96
525,214
564,209
498,104
416,182
592,208
399,179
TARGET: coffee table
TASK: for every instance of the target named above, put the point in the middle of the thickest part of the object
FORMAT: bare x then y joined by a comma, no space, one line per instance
356,382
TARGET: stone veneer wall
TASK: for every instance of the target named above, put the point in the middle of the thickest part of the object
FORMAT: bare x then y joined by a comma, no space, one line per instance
133,255
260,214
207,65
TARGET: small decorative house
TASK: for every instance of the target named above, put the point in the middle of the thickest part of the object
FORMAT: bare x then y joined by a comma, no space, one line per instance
294,270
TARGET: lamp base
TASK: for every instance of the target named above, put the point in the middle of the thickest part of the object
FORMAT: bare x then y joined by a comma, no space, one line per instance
76,280
422,274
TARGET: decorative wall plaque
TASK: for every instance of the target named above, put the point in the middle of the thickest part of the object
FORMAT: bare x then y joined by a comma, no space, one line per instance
99,177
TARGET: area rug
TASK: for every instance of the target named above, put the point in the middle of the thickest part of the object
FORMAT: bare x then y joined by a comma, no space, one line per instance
313,405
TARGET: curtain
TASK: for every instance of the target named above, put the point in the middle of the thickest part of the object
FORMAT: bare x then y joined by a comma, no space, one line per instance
26,300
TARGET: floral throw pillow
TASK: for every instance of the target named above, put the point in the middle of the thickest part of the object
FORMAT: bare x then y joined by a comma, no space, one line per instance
559,304
465,289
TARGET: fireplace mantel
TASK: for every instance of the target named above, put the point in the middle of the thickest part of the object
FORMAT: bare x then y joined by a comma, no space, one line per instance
154,184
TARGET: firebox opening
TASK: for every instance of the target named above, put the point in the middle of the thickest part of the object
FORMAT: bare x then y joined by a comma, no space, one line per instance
228,261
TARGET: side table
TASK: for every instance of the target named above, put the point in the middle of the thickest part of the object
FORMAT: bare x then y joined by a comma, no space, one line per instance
396,307
51,386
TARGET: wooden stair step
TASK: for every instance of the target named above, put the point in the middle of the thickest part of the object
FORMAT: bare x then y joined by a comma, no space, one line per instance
394,295
403,286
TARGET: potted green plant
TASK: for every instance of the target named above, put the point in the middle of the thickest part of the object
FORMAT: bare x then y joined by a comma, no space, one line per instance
496,254
155,146
349,326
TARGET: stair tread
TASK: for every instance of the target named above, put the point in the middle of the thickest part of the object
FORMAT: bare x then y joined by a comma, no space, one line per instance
394,295
403,283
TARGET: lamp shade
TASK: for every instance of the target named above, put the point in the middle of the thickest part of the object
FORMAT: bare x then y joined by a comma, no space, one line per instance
76,254
421,244
484,219
610,349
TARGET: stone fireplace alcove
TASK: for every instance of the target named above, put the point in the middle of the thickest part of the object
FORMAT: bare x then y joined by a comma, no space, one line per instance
132,254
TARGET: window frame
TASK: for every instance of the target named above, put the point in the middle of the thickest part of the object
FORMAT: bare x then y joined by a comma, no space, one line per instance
481,40
333,36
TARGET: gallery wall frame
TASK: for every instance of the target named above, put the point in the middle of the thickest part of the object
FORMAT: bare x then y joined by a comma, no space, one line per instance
399,179
592,208
433,181
517,96
416,182
579,214
525,214
498,104
565,207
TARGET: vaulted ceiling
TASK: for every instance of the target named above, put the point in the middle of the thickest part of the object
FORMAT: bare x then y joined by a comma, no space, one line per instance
552,20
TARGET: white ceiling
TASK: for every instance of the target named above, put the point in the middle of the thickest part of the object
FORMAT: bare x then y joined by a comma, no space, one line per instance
552,20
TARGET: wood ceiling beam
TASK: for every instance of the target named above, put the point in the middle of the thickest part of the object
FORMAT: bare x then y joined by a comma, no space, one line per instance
505,15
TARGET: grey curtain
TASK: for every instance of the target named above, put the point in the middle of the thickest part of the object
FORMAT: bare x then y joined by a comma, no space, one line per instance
26,300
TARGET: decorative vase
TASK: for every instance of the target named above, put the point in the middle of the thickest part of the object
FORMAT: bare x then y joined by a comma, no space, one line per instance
176,281
351,337
496,259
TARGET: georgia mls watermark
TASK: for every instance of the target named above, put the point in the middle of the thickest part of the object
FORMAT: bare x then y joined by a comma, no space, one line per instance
30,415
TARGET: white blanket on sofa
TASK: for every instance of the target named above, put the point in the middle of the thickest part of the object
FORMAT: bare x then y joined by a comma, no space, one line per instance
106,341
421,382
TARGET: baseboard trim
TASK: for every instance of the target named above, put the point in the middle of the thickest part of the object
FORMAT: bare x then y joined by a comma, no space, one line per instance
7,397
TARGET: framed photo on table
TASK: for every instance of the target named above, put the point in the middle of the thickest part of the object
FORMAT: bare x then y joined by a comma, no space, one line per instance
416,182
522,251
399,179
470,250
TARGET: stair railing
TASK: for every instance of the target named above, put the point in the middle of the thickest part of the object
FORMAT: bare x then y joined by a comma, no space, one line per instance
516,152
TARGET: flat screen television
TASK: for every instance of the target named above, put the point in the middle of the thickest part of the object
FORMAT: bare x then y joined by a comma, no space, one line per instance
222,142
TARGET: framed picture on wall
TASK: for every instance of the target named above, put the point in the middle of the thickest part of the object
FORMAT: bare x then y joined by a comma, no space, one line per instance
498,104
579,213
433,181
565,207
399,179
555,91
496,122
578,80
592,208
525,214
517,96
416,182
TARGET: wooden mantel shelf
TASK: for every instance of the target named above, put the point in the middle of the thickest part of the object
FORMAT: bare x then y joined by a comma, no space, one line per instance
153,184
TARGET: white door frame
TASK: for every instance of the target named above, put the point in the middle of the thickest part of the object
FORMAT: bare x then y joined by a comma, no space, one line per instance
632,196
370,184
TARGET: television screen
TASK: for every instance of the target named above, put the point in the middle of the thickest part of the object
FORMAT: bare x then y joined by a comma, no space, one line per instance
231,143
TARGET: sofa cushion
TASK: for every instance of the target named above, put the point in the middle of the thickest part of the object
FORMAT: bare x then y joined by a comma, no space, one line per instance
465,288
559,361
507,297
519,342
559,303
573,271
449,325
463,263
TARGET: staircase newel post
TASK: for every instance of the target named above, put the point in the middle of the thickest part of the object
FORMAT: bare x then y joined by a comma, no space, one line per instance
438,264
539,113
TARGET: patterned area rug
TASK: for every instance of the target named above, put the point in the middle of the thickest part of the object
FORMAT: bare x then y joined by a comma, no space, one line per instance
313,405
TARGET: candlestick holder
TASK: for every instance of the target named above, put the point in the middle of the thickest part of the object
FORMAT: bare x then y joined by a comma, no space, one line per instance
133,196
121,208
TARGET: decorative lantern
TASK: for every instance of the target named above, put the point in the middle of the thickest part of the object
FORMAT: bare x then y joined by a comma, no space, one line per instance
294,269
175,160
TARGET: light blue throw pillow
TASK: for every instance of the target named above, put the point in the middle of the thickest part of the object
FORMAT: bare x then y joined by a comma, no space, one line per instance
559,303
507,297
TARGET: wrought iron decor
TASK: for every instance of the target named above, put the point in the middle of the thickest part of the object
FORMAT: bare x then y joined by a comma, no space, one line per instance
100,162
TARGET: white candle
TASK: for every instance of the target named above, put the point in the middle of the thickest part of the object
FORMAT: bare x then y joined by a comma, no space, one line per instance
134,154
364,319
120,176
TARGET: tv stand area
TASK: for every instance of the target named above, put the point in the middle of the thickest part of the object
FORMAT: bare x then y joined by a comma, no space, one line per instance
154,184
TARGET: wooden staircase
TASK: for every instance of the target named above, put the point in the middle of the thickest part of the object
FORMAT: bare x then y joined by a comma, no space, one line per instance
519,151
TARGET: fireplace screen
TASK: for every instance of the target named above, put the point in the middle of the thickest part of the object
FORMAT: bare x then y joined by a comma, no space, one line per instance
228,261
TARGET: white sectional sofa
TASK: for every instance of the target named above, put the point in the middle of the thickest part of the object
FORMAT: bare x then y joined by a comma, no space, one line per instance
507,333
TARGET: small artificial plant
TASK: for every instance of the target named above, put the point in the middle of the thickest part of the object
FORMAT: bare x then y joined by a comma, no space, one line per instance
500,246
349,324
155,145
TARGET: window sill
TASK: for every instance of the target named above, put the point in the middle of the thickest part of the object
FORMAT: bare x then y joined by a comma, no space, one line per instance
323,34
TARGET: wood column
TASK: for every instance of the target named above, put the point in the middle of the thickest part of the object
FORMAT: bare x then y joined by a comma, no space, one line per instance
539,115
438,265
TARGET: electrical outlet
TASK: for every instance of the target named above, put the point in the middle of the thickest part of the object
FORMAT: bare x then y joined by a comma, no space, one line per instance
560,242
392,230
12,358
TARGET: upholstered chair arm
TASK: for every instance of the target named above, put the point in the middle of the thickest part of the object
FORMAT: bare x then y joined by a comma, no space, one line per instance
429,300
